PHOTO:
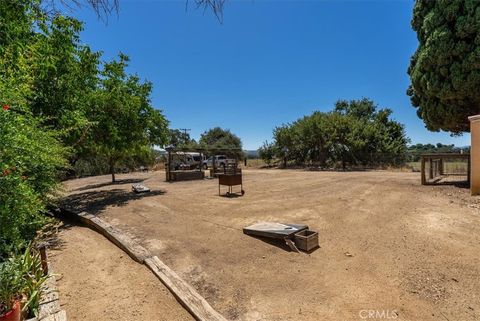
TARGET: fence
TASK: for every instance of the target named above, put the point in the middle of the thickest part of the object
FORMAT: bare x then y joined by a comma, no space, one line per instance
445,168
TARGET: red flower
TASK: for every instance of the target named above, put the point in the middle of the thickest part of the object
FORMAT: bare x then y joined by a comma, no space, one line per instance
6,172
6,107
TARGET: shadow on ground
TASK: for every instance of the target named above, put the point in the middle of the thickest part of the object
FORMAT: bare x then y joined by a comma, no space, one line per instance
280,244
458,184
94,202
118,182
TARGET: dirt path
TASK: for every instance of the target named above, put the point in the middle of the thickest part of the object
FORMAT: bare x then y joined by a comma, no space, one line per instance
415,248
99,282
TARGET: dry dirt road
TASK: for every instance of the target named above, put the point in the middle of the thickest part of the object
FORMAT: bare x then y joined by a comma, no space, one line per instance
98,281
415,250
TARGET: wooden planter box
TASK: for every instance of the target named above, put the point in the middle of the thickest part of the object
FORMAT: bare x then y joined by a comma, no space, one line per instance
306,240
186,175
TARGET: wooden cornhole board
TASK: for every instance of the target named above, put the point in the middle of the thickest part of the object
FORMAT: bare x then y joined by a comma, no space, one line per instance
274,230
283,231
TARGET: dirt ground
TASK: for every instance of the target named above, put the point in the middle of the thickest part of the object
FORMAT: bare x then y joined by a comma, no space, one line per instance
98,281
413,251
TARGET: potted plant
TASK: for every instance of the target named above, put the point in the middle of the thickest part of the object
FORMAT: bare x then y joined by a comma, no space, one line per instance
30,265
11,286
21,284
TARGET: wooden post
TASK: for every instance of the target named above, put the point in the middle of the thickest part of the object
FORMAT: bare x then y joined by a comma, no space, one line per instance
424,181
213,164
169,164
43,257
430,170
469,168
475,154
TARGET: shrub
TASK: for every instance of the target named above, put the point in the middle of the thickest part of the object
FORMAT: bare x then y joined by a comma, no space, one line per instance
30,160
267,152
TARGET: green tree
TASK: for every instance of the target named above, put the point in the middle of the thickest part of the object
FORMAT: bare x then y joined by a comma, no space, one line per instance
54,96
125,122
445,69
44,63
179,138
65,76
267,152
220,137
355,132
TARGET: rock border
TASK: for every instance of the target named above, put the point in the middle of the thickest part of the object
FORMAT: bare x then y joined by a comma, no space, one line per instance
190,299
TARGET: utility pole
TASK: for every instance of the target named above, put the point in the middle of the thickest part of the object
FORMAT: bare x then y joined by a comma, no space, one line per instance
185,130
186,136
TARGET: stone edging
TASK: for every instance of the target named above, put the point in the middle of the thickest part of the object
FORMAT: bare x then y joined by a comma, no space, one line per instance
198,307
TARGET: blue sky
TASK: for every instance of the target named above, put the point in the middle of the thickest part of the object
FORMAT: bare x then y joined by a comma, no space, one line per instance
269,63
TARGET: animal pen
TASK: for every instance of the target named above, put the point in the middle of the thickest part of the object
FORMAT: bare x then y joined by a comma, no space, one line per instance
447,168
187,163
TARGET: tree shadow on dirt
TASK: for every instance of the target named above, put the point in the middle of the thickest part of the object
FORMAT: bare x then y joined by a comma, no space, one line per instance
118,182
95,202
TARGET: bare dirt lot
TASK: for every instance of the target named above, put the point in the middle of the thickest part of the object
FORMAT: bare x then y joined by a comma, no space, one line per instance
415,250
98,281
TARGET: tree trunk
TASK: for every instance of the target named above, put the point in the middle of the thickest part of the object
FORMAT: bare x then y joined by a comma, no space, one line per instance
112,170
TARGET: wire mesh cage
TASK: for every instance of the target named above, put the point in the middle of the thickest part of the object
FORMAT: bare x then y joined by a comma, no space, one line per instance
445,168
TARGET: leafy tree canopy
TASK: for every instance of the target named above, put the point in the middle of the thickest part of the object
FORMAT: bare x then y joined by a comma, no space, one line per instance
221,138
355,132
445,69
58,102
125,121
179,138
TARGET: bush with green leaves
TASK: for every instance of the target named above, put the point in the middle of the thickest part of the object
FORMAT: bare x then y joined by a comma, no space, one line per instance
267,152
31,159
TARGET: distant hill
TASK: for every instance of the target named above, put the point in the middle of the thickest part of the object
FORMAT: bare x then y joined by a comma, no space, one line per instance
251,153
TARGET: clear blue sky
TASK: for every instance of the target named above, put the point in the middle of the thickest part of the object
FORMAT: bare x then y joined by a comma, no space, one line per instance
269,63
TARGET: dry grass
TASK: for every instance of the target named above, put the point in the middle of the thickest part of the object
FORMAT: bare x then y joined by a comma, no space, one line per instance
450,167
